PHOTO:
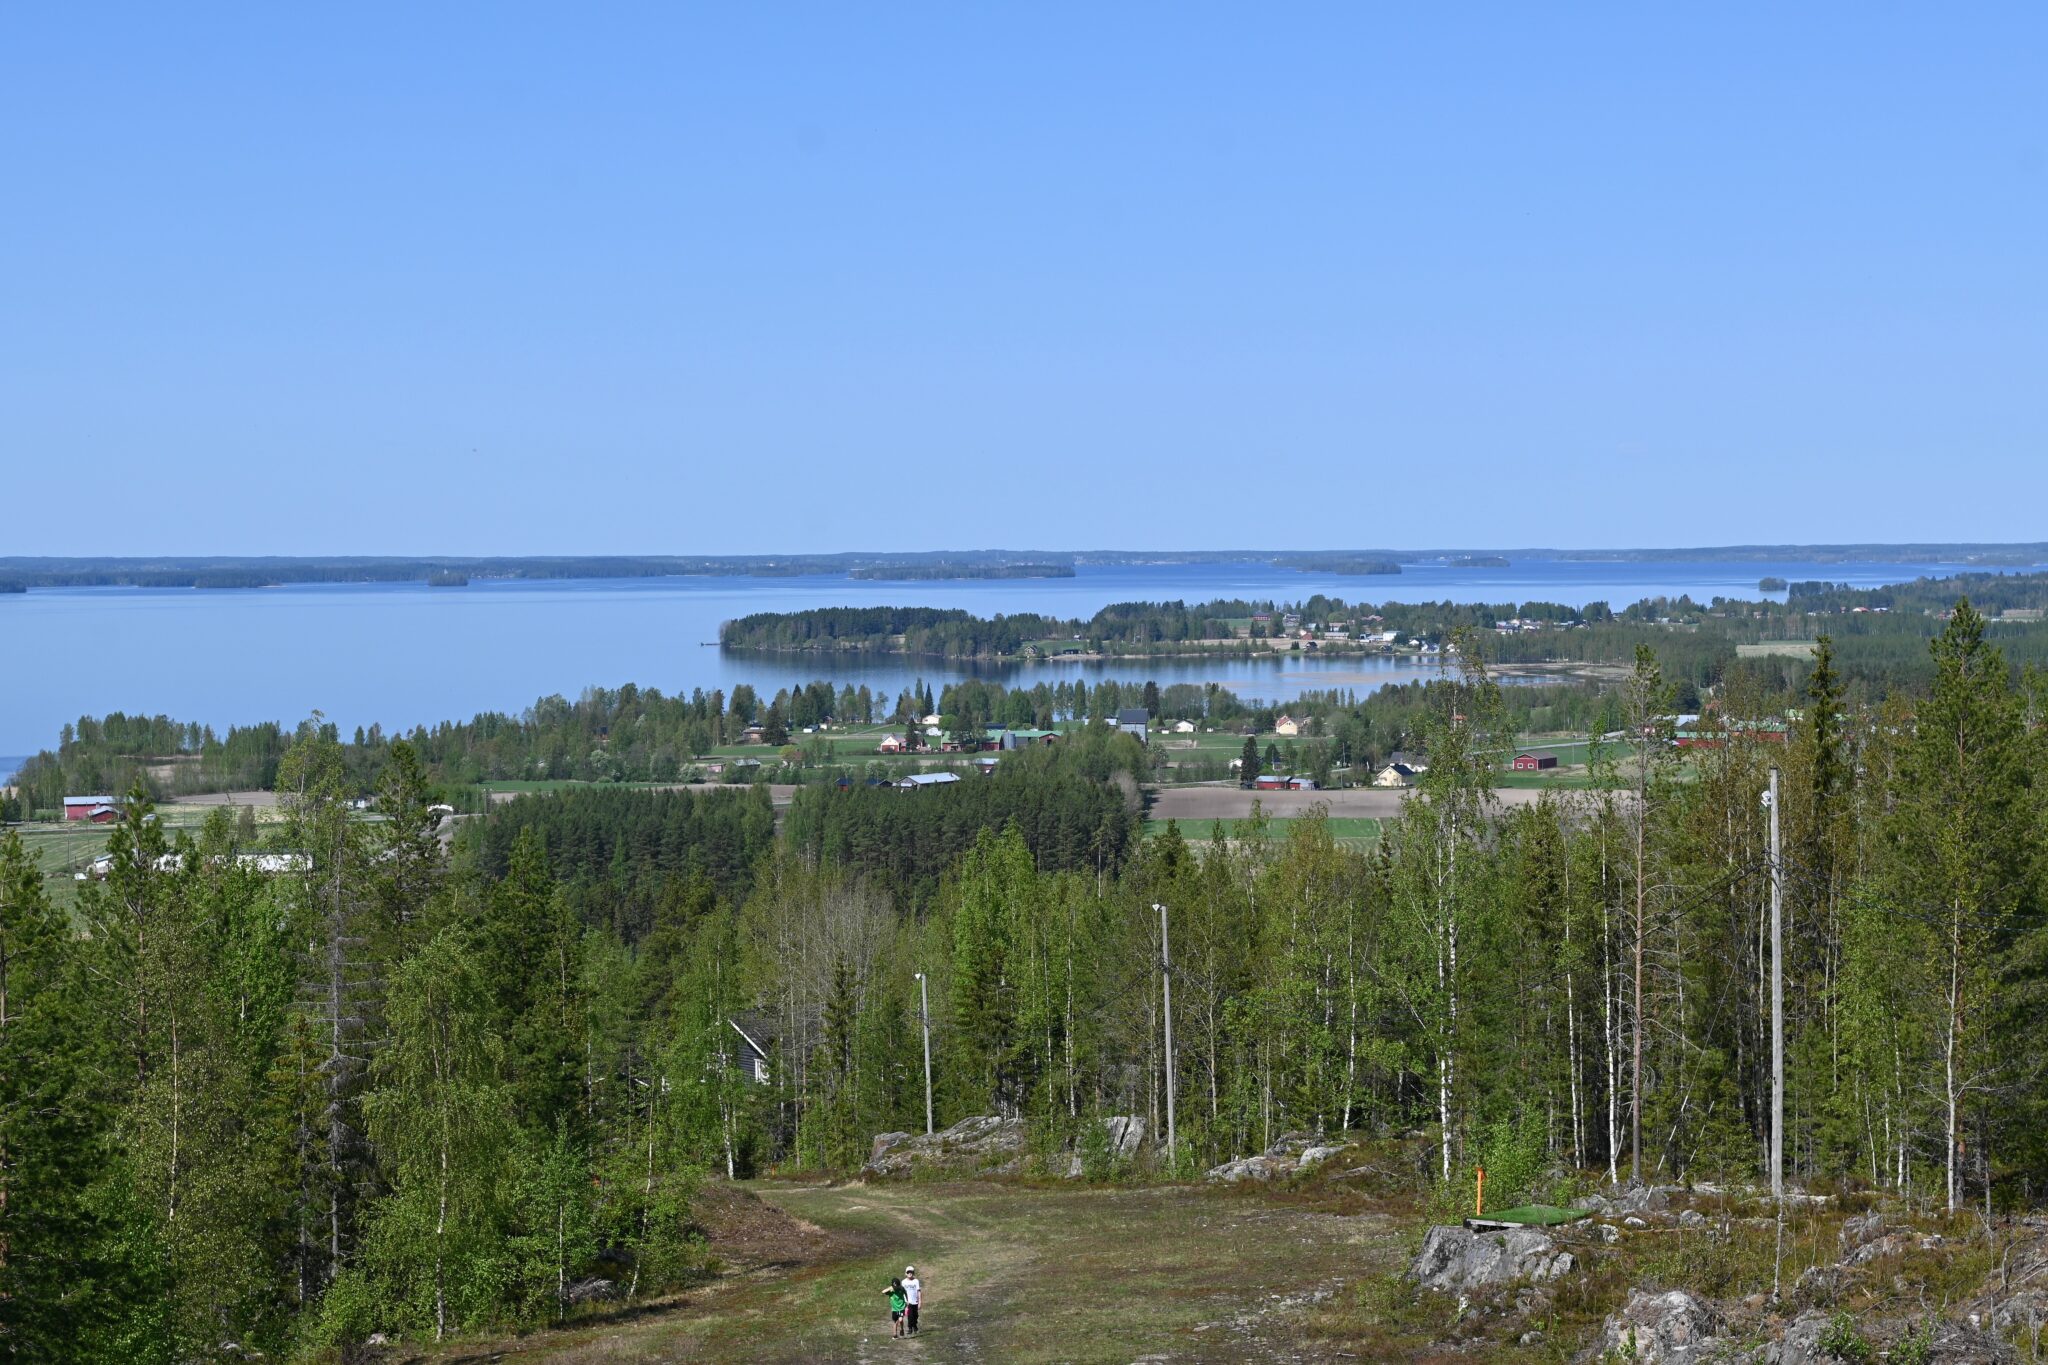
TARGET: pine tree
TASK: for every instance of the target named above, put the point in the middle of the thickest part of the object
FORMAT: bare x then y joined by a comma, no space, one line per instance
342,979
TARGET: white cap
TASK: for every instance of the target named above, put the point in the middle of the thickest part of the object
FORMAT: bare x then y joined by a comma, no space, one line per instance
910,1270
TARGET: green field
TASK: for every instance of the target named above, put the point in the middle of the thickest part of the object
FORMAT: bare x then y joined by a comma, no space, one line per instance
62,848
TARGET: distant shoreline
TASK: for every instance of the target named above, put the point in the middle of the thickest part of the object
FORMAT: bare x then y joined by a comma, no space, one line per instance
259,571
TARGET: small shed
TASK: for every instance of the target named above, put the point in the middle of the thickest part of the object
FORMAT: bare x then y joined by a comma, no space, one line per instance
1534,762
750,1058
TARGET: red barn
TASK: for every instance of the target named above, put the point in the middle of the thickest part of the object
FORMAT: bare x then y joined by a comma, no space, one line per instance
99,810
1529,763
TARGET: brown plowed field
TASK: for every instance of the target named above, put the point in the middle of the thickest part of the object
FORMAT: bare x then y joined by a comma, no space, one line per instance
1234,803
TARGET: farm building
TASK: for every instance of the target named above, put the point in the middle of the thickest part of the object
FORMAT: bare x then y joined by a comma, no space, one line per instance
1395,775
1183,727
99,810
1533,762
1693,733
920,781
1301,784
1269,782
1024,739
1135,721
891,744
1288,725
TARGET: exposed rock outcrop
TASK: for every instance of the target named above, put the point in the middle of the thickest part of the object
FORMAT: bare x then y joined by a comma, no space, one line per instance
1671,1328
1859,1229
1456,1258
983,1145
1126,1135
1290,1153
1949,1343
1251,1168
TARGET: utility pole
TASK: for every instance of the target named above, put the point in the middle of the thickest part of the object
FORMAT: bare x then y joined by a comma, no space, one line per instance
924,1015
1777,998
1166,982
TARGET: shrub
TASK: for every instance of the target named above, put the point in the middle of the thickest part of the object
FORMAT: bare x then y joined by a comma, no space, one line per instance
1840,1340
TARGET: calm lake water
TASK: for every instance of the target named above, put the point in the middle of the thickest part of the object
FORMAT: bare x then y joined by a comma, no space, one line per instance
405,654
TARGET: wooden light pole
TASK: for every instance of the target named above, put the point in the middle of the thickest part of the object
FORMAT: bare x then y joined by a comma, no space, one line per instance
924,1015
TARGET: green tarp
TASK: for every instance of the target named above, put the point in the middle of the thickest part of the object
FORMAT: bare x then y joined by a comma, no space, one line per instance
1529,1215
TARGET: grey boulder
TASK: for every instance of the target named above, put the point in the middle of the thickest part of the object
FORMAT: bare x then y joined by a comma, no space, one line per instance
1456,1258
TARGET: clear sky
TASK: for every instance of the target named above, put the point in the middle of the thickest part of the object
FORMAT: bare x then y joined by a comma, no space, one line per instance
755,278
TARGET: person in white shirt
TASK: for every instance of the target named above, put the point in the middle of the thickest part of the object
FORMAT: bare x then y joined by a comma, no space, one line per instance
913,1294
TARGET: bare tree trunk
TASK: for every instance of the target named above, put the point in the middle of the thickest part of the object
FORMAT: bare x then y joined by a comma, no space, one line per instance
177,1103
1635,1097
1610,989
1951,1091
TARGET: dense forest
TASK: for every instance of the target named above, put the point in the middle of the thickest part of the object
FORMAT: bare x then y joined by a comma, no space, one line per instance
421,1090
607,734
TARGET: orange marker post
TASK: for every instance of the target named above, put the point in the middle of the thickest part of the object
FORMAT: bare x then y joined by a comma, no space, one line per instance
1479,1195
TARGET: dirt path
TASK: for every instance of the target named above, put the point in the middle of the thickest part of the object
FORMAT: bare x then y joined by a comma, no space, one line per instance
1011,1274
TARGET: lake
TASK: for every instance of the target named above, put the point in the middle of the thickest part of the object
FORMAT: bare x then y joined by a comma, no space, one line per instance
405,654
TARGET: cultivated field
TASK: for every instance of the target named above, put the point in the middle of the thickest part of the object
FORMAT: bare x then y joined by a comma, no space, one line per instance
1355,831
1235,803
63,848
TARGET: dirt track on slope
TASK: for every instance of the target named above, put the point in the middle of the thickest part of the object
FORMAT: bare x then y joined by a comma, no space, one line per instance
1011,1273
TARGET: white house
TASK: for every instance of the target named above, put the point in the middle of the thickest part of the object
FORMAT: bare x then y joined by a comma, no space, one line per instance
1394,775
1288,725
1183,727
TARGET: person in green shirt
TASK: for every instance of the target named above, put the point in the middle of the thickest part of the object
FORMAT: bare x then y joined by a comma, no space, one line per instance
896,1301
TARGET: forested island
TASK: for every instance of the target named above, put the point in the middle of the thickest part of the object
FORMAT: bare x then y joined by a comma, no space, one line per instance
1338,564
1891,622
910,573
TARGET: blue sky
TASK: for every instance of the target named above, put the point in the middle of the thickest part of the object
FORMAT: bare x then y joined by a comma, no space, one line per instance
409,279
